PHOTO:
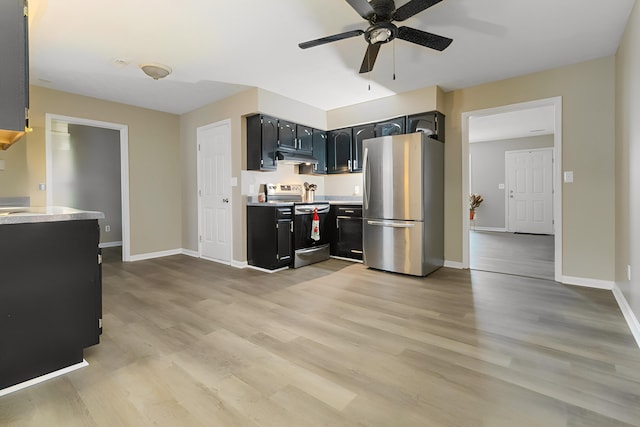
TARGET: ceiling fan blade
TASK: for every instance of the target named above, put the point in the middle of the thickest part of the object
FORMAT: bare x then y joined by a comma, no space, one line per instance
414,7
423,38
370,58
329,39
363,8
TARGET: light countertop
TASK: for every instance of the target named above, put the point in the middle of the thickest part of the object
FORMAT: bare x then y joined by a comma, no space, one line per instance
22,215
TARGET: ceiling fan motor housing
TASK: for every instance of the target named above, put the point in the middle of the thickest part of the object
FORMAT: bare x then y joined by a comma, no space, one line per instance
381,33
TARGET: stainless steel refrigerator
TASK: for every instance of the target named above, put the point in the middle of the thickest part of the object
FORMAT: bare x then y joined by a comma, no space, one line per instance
403,203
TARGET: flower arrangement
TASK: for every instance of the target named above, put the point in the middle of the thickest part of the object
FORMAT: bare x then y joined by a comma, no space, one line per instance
475,200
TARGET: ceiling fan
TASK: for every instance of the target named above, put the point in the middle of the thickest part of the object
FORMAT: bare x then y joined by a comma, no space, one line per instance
380,14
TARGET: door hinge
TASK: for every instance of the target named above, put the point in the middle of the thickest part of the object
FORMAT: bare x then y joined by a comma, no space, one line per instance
200,193
99,259
198,147
200,237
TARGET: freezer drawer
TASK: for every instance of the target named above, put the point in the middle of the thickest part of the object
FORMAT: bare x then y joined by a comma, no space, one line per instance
396,246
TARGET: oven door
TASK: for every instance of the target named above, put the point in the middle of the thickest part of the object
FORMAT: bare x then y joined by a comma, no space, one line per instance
303,219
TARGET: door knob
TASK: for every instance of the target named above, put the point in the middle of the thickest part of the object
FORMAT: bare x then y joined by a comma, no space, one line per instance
225,200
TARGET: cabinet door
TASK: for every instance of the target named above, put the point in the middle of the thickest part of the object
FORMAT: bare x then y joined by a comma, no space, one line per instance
390,127
339,151
320,151
14,84
349,237
269,137
287,136
284,252
360,133
305,139
430,123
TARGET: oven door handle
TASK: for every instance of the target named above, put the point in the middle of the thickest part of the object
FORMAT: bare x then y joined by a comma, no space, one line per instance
306,211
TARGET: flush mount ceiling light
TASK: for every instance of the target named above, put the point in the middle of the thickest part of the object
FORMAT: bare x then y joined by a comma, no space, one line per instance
156,71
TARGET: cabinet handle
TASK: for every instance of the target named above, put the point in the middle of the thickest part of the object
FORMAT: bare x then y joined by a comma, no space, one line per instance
338,223
291,226
349,165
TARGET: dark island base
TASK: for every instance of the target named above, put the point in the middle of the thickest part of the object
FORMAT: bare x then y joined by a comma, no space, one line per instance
50,297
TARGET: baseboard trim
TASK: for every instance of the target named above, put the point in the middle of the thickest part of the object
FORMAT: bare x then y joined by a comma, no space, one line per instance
264,270
495,229
628,314
587,283
110,244
239,264
152,255
43,378
453,264
189,252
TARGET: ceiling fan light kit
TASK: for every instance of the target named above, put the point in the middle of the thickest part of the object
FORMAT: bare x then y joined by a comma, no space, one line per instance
156,71
380,14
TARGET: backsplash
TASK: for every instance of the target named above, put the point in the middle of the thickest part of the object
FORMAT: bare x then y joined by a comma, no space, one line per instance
337,187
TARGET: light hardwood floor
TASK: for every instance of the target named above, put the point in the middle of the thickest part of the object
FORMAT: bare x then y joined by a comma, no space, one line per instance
189,342
530,255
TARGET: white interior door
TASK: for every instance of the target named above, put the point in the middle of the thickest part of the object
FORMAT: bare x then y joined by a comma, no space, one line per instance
214,160
530,191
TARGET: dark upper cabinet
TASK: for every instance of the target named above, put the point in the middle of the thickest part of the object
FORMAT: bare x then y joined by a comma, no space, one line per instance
320,151
262,142
390,127
360,133
287,139
305,139
431,123
339,151
14,70
294,137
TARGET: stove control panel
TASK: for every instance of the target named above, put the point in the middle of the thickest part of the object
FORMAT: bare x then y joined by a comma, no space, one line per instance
284,189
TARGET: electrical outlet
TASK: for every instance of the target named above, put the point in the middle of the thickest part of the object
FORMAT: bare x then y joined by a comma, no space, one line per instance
356,189
107,228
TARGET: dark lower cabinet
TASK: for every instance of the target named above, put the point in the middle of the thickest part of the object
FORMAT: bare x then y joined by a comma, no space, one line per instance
346,221
50,296
269,236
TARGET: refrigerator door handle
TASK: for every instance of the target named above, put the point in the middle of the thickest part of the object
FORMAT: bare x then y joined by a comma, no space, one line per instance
392,224
365,176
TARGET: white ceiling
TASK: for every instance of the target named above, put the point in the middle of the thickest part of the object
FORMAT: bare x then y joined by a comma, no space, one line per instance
513,124
217,49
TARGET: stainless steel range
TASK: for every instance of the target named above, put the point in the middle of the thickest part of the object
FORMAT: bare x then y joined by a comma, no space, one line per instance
306,249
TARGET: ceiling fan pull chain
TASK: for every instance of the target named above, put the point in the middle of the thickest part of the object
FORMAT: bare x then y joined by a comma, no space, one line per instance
394,59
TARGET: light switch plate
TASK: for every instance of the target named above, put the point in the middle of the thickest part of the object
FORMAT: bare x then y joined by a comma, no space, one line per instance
568,176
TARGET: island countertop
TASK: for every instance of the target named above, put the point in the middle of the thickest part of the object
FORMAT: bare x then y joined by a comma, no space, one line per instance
22,215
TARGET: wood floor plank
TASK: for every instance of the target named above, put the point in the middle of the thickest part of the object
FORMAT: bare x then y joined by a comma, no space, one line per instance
196,343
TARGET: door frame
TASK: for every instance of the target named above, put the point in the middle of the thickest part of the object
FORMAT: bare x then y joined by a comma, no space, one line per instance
124,168
506,180
556,102
199,130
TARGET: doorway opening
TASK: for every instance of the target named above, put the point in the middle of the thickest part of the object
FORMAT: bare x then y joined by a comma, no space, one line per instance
512,158
72,146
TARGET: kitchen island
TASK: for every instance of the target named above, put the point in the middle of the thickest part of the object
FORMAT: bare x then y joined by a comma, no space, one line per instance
50,290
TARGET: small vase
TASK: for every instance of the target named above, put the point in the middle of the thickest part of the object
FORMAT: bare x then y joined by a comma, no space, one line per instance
472,214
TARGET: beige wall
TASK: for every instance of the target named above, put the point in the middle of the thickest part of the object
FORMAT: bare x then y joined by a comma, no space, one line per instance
154,172
14,179
417,101
627,161
587,91
235,108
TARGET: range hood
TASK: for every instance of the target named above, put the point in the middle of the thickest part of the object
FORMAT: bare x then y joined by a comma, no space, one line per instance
8,137
294,158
